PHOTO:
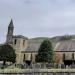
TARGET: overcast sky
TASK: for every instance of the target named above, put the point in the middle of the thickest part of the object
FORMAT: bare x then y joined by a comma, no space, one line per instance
36,18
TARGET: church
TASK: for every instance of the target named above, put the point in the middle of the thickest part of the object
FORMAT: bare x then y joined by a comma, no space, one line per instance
26,50
22,46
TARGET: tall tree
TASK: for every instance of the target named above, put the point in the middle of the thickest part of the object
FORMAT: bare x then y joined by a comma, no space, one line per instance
7,53
65,37
45,52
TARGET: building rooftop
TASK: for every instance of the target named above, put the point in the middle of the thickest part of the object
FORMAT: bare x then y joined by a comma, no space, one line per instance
20,36
11,24
33,47
65,46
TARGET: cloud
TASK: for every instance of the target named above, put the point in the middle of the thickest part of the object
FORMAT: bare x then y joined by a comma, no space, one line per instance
37,17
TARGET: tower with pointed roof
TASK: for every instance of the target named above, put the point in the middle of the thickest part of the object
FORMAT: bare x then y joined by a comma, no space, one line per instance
9,39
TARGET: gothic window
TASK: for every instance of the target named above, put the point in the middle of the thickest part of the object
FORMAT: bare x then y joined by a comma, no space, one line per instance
15,41
63,56
72,55
24,58
31,57
23,42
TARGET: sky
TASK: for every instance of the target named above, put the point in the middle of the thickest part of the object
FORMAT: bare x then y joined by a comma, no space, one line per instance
37,18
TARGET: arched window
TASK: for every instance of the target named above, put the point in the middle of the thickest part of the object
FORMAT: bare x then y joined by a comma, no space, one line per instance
15,41
24,58
63,56
31,56
23,42
73,56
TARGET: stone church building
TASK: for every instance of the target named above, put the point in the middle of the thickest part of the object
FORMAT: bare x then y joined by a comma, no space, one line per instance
26,50
21,44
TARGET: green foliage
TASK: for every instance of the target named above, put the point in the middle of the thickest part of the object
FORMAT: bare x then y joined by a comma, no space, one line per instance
7,53
45,52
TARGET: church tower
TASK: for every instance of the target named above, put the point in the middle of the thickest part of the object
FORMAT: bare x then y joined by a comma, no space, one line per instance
9,39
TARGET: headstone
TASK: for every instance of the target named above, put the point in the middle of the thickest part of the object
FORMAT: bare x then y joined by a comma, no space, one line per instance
49,66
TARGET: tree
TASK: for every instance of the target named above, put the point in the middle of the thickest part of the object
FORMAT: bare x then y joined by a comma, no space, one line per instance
65,37
7,53
45,52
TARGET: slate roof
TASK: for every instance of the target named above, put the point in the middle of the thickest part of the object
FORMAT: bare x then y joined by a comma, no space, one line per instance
33,47
65,46
20,36
11,24
62,46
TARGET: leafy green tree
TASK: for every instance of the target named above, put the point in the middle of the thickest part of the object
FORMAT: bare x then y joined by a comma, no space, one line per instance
65,37
7,53
45,52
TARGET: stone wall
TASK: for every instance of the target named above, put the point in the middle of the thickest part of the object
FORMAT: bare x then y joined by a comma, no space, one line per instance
40,72
20,45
